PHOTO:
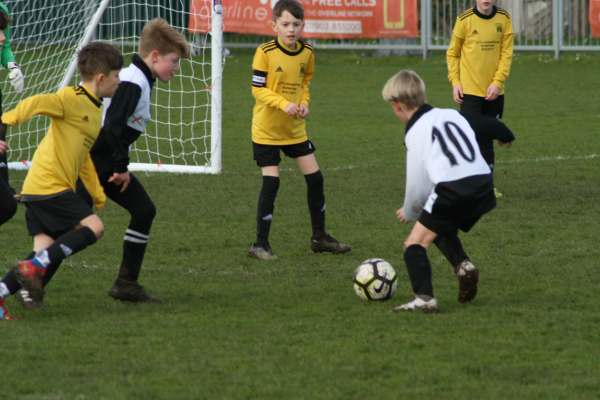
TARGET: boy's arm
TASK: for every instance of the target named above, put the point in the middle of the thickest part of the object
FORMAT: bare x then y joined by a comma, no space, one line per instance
270,97
260,68
506,54
90,180
50,105
308,75
122,106
418,185
453,53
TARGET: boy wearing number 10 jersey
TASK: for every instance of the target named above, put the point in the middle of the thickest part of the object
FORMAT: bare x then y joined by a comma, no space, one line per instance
449,186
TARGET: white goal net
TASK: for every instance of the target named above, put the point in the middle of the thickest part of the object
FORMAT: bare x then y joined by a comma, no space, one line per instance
185,133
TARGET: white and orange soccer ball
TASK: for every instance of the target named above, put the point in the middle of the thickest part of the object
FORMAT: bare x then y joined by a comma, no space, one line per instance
375,280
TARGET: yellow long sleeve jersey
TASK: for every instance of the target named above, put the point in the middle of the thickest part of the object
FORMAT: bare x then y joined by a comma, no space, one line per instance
280,76
480,51
64,153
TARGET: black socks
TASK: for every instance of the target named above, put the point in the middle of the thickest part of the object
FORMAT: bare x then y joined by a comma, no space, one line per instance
316,202
419,270
264,213
451,247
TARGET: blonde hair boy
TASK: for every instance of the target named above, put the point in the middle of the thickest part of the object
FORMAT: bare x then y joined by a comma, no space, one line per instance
405,87
448,187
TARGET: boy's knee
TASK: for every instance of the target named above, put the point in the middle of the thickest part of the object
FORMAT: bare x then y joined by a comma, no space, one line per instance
98,229
99,232
415,241
94,223
420,235
145,212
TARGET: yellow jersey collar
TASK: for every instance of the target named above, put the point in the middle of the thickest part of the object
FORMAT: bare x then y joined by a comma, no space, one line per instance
96,100
289,51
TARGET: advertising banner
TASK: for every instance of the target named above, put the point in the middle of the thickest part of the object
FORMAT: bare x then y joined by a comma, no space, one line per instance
325,19
595,17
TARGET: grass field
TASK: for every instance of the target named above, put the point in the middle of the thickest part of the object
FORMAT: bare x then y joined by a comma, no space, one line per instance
235,328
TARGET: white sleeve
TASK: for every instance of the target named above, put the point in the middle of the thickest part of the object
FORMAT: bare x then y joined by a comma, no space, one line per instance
418,184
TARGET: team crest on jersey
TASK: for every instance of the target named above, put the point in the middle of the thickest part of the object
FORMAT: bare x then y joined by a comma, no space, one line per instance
302,69
499,28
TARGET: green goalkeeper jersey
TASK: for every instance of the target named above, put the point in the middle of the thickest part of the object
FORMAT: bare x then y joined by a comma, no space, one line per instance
6,55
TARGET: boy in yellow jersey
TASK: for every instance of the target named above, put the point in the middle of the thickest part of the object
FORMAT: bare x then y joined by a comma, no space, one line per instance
160,50
282,71
59,220
479,59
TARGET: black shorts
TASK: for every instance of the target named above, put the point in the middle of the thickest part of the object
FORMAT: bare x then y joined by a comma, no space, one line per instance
449,214
480,106
267,155
56,215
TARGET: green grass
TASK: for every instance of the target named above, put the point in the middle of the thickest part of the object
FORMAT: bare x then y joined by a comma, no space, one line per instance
236,328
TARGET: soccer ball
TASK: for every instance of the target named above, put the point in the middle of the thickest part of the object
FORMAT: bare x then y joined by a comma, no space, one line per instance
375,279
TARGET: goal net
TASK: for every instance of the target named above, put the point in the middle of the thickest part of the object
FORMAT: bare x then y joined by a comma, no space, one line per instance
185,132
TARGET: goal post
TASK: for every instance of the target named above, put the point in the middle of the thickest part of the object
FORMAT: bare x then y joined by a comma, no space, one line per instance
185,132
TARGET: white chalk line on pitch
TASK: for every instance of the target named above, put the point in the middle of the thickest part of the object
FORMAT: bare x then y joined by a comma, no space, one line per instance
549,158
515,161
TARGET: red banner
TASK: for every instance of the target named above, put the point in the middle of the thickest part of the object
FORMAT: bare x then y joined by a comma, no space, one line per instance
339,19
595,17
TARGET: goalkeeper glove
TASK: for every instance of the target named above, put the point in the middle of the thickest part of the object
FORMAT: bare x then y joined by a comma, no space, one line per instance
16,77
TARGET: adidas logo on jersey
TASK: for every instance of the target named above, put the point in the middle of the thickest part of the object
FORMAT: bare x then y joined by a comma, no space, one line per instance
475,32
85,118
279,69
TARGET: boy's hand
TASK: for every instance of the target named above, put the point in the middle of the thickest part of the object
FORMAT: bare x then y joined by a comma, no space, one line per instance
493,92
120,179
3,146
17,80
457,93
291,109
303,111
401,216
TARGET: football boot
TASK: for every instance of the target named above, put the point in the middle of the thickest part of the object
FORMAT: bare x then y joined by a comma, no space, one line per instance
329,244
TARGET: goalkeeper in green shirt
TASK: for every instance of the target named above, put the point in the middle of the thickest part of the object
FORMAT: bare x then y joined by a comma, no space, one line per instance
8,205
7,59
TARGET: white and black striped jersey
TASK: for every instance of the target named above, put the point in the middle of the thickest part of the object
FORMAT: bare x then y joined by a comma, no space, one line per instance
125,117
441,149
